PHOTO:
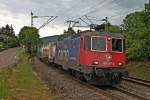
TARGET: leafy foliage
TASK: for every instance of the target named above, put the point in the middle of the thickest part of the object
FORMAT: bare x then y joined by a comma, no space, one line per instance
7,30
114,29
7,37
13,41
69,32
29,37
136,28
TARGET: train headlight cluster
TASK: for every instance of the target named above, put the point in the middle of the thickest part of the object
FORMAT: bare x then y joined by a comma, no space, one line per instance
95,62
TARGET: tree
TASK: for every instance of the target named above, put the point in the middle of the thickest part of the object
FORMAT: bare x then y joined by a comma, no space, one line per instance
69,32
12,30
8,31
9,38
136,28
147,15
29,37
3,30
13,41
114,29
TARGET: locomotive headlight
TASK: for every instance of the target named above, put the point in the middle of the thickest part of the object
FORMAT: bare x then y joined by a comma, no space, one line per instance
109,57
109,38
95,62
120,63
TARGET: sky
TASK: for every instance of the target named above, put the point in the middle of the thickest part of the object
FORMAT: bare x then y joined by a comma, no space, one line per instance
17,12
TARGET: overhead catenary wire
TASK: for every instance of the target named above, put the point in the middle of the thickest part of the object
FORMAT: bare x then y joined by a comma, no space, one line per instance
97,18
94,8
126,12
98,6
115,16
48,21
86,16
101,3
88,19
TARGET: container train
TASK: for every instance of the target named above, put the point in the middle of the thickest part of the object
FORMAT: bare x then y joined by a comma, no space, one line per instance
98,58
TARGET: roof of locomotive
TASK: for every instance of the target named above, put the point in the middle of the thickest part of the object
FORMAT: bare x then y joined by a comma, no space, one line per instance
96,33
86,33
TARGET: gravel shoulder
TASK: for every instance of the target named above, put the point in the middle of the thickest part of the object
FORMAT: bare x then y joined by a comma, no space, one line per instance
64,88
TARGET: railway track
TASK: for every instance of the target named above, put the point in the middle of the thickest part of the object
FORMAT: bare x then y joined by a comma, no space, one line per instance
99,90
121,89
131,93
121,93
138,81
136,87
96,90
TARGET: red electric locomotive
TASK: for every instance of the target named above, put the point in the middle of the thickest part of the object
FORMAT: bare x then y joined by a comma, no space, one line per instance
102,56
98,58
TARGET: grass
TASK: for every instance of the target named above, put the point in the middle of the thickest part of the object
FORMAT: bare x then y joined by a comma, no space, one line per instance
139,69
20,83
3,84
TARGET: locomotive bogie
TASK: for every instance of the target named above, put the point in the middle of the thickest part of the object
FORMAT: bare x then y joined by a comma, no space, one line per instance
105,77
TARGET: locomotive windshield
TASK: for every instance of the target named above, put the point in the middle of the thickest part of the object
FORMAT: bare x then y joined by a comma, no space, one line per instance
98,43
117,45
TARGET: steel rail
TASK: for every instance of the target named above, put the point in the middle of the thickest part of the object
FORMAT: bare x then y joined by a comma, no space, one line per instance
131,93
146,81
138,81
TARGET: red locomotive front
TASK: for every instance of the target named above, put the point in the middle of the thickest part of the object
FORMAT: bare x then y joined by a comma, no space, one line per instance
103,55
102,51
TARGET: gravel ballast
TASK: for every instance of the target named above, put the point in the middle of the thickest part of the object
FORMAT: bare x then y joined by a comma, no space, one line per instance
64,88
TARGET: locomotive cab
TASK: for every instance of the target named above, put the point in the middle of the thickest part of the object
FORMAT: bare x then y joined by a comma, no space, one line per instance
103,51
113,49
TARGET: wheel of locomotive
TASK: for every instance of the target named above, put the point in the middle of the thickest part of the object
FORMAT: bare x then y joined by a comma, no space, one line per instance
70,71
79,75
87,77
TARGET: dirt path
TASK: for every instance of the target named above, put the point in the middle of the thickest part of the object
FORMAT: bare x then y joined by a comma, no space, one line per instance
7,57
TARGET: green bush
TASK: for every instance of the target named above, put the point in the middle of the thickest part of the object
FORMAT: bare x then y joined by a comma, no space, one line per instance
137,32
